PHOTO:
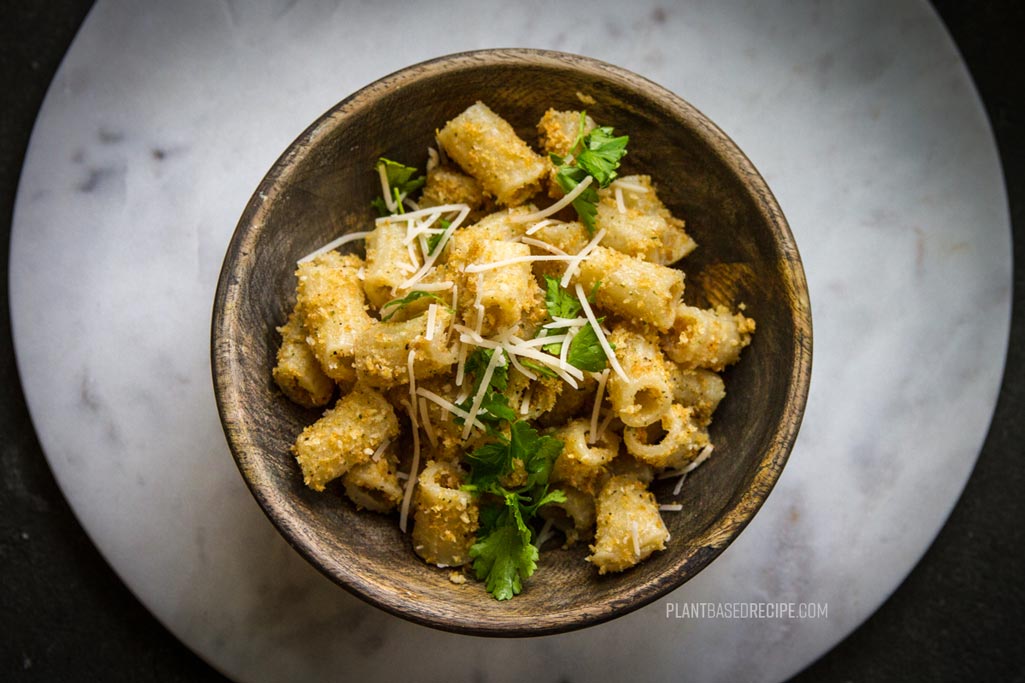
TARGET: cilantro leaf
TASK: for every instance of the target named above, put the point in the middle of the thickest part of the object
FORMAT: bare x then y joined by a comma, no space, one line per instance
399,304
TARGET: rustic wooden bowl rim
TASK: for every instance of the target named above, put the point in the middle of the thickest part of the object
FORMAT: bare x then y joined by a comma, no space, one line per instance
712,541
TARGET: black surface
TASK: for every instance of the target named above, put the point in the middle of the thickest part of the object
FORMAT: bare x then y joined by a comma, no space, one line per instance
960,615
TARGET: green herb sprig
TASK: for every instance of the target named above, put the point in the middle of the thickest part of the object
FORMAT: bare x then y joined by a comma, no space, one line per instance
596,154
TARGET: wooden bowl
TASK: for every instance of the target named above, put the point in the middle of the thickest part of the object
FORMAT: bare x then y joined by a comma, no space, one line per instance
322,186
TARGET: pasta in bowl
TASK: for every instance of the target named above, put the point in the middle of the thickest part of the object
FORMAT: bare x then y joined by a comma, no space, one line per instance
506,321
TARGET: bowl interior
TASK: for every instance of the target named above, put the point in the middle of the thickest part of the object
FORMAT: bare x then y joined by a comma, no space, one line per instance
322,186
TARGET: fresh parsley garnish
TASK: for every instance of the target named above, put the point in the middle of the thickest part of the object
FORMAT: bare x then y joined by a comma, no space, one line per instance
559,302
399,304
596,154
504,555
585,351
402,181
434,240
494,406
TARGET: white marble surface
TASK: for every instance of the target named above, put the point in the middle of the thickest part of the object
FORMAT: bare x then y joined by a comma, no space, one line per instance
164,117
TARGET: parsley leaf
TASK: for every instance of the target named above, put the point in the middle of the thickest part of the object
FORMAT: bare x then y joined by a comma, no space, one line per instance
505,556
399,304
494,405
599,158
558,301
434,240
538,453
477,363
601,154
586,203
542,370
585,351
561,304
401,181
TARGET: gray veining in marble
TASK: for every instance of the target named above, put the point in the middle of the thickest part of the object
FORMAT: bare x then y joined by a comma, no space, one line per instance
164,117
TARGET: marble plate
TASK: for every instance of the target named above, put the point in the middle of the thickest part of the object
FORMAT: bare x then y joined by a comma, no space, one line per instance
164,117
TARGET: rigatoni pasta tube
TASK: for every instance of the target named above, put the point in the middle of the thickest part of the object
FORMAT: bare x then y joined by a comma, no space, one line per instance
645,395
583,465
558,130
329,296
348,434
297,372
632,288
374,484
639,198
447,185
680,440
699,389
445,518
574,516
486,146
707,338
506,291
386,256
629,526
648,237
382,350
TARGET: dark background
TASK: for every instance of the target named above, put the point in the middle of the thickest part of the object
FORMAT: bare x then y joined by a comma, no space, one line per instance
960,615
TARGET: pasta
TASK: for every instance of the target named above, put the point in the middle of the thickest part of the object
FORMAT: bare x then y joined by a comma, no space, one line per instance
509,367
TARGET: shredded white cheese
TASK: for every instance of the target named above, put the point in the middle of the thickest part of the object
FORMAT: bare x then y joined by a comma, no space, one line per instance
541,244
574,265
449,406
411,481
380,449
605,423
544,534
704,455
432,319
389,201
671,507
613,361
620,206
636,537
485,382
480,267
422,213
557,206
334,244
537,226
629,186
558,323
428,426
592,434
440,247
